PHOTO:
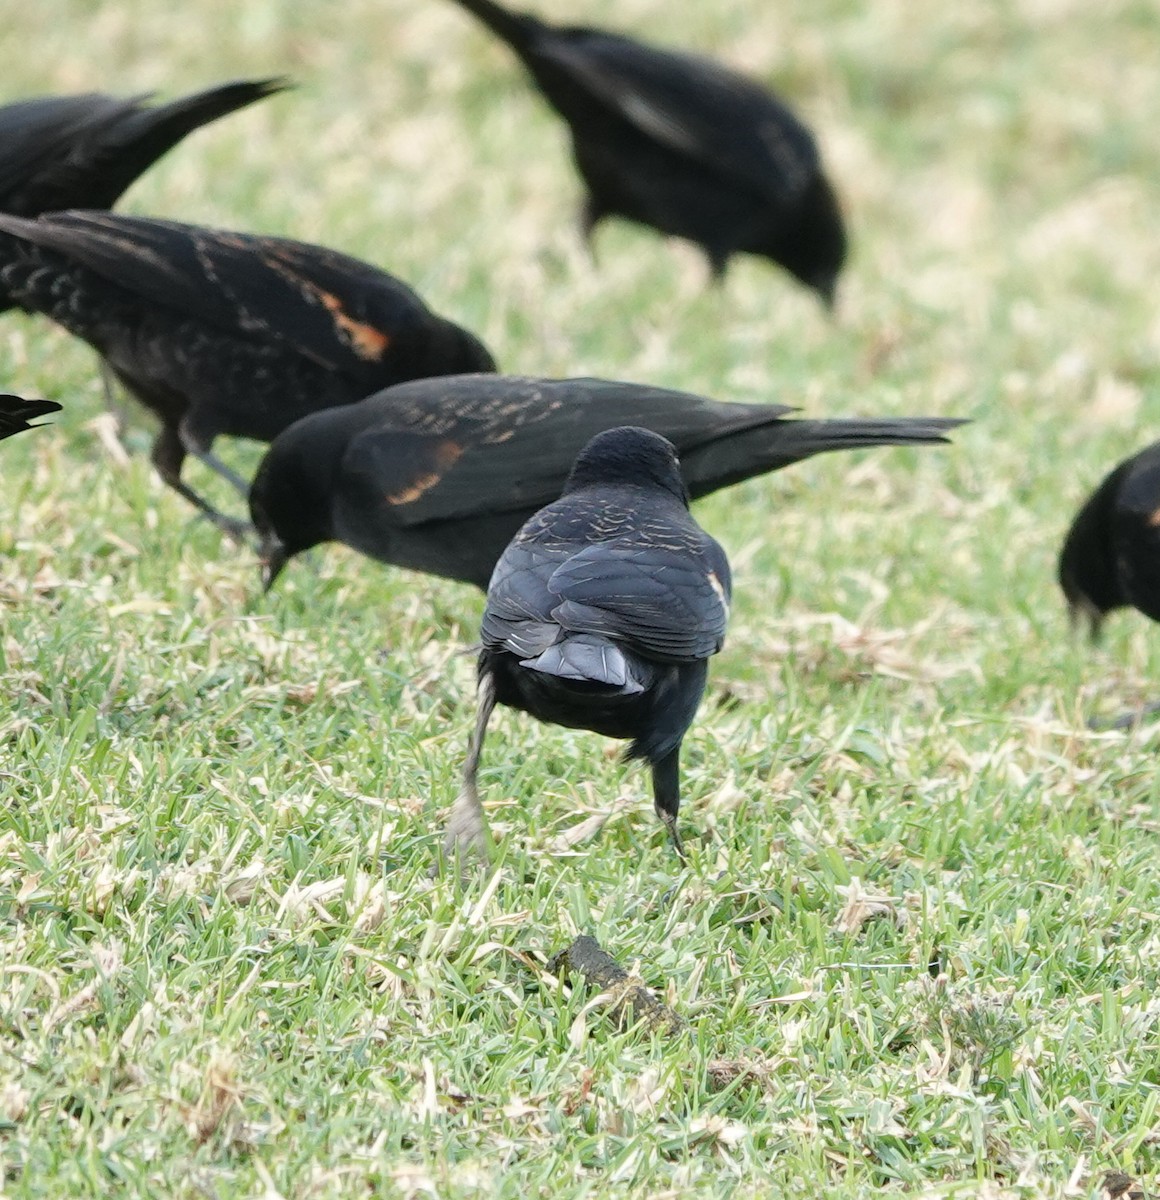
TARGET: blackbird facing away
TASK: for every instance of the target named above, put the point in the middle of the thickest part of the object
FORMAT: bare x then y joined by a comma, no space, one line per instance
439,474
602,615
1111,556
84,151
677,142
225,333
17,414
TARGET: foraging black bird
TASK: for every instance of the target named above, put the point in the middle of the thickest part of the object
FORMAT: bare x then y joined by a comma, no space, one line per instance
1111,556
17,414
439,474
225,333
680,143
61,152
602,614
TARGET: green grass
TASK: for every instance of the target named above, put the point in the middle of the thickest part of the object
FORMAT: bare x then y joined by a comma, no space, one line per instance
223,969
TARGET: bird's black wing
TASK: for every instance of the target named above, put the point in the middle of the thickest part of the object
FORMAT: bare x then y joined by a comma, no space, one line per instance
693,106
328,307
666,598
463,446
518,615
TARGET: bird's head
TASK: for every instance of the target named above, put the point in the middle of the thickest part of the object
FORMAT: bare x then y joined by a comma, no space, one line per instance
629,454
1088,573
290,500
812,246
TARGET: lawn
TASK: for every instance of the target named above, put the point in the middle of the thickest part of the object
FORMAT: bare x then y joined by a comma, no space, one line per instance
916,948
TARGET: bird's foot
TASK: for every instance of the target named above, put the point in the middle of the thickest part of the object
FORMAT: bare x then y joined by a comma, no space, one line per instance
466,834
670,823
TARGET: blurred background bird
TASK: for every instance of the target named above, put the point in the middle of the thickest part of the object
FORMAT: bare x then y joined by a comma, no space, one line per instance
680,143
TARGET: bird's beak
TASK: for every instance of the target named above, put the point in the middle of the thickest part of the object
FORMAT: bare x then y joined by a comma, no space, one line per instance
273,557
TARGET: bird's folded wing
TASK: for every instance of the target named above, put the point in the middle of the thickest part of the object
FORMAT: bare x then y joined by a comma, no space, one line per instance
324,304
696,108
440,449
518,616
664,603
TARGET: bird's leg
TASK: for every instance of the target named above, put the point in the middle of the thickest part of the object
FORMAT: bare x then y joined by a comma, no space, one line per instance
109,391
718,264
592,212
168,456
666,775
199,445
467,826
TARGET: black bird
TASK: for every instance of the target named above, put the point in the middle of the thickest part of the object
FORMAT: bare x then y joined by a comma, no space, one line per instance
438,474
1111,556
602,614
680,143
17,414
83,151
225,333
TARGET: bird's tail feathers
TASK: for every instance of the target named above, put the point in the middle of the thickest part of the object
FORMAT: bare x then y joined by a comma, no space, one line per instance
17,414
754,451
584,659
165,125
